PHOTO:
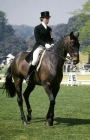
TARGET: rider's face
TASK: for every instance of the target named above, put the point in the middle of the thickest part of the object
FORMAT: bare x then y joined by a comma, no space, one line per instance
46,20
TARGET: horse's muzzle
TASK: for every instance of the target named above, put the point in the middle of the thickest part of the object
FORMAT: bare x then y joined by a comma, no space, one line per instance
75,58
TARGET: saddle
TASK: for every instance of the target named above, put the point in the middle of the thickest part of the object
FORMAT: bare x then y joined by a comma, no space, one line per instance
29,58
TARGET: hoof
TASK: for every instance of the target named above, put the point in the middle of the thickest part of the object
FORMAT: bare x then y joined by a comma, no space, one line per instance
49,123
24,122
28,118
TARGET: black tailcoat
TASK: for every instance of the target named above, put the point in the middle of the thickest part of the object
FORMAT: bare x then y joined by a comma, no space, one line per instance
42,36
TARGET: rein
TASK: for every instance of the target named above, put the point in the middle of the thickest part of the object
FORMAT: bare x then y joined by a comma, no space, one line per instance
64,58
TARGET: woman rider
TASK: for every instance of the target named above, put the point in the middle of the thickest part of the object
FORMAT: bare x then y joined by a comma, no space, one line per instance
43,37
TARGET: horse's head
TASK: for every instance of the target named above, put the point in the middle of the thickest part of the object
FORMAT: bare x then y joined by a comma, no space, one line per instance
73,47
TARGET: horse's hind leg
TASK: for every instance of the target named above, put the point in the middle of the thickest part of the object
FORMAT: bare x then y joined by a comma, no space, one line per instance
26,94
18,86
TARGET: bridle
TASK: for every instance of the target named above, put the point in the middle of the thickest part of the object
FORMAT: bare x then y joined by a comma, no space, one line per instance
64,58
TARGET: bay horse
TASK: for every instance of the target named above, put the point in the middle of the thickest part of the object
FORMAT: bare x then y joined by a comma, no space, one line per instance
49,76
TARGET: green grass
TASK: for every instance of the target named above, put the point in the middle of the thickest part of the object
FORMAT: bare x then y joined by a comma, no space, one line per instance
71,121
3,71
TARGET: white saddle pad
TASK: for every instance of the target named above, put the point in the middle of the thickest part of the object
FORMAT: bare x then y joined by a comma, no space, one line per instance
39,64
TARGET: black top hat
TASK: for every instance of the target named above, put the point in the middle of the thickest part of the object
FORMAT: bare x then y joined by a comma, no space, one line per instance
45,14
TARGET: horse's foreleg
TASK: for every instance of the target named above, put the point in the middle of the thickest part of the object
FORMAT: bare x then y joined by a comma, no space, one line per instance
55,90
18,86
50,114
26,94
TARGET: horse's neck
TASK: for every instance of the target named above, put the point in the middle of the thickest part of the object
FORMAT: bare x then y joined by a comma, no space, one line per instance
60,47
59,52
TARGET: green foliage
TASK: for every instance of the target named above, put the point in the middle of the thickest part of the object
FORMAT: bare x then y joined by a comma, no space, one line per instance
71,120
9,43
6,30
86,7
83,20
23,31
13,45
59,31
86,49
85,31
3,17
31,41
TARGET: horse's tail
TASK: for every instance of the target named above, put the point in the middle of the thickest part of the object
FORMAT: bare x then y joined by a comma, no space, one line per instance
9,85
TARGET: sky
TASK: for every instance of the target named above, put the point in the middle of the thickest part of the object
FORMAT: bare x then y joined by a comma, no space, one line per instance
28,11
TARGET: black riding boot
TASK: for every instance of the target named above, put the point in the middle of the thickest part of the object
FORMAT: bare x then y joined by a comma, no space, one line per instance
31,68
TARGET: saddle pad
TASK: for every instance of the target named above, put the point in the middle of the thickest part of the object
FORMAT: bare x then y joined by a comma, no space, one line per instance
39,64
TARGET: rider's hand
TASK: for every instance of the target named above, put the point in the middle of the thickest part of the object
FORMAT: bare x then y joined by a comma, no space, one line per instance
47,46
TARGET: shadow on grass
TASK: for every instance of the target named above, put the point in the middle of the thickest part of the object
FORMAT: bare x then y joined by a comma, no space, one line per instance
71,121
36,120
67,121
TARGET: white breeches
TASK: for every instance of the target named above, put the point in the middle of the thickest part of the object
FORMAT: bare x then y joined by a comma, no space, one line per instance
36,54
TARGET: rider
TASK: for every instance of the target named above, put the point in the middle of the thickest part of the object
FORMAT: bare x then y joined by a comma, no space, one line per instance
44,39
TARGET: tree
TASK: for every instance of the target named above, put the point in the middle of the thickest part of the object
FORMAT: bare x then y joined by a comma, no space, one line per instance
86,50
9,43
83,19
5,29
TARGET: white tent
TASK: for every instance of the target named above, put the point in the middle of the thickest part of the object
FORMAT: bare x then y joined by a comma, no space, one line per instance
9,58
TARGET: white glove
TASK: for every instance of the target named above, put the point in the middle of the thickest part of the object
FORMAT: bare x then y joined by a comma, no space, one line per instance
47,46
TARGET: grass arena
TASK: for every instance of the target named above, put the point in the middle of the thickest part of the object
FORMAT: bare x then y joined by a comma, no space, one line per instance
71,121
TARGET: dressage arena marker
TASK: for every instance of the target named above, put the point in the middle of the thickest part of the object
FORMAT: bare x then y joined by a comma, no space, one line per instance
72,79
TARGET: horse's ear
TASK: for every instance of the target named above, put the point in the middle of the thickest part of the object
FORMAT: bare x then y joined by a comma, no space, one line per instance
77,35
71,35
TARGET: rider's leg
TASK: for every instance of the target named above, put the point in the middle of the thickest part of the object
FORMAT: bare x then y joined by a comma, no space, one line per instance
31,69
32,66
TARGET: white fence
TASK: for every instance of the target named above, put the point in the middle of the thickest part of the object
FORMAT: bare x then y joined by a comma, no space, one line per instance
80,69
